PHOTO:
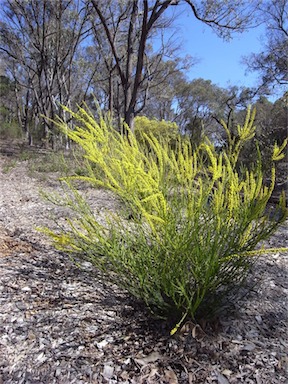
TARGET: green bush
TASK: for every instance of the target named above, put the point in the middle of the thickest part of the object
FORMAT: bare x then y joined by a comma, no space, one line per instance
186,237
9,130
161,130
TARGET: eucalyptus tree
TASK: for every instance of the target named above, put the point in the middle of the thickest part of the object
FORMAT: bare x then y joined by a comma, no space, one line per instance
271,127
130,25
232,100
40,38
272,62
271,121
163,88
201,107
130,61
9,127
197,102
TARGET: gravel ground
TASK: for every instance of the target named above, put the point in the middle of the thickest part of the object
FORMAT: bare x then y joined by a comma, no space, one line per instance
61,324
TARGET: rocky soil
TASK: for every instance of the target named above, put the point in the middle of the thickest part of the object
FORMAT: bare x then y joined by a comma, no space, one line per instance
60,324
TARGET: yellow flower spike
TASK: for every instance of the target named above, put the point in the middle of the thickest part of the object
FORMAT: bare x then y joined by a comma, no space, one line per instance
218,171
213,159
178,325
278,151
247,131
245,235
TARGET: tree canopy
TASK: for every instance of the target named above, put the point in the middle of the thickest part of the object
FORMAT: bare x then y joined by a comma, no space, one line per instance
57,52
271,62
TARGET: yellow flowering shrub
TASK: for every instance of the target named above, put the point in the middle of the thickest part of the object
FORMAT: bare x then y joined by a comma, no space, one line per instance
160,129
186,237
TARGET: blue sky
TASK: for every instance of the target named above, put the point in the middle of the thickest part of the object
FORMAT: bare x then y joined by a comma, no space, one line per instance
220,61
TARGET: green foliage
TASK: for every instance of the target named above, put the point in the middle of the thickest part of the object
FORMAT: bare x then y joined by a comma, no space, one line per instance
53,161
163,129
50,162
9,128
271,123
194,222
9,165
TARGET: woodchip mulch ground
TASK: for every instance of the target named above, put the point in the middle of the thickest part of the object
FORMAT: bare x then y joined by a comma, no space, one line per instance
61,324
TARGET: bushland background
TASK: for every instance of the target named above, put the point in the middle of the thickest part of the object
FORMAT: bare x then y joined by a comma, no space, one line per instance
127,55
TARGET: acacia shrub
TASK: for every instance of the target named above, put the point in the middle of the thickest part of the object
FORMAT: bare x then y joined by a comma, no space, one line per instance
194,222
160,129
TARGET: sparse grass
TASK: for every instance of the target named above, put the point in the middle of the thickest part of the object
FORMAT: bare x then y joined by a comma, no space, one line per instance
27,154
41,162
10,130
9,165
51,162
60,162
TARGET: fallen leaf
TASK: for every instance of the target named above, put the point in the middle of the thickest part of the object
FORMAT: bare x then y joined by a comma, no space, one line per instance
222,379
258,379
154,356
102,344
124,375
227,372
191,378
258,319
108,371
248,347
171,377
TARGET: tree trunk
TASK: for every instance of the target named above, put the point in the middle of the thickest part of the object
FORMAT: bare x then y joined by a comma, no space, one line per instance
128,120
